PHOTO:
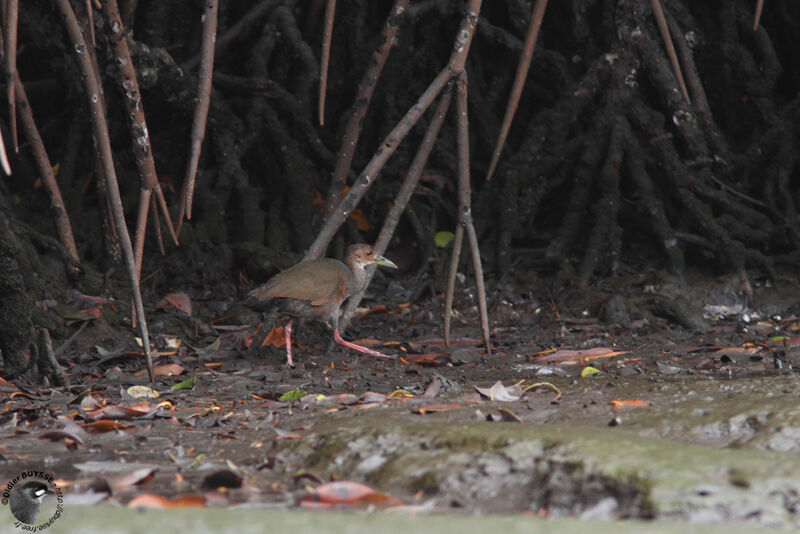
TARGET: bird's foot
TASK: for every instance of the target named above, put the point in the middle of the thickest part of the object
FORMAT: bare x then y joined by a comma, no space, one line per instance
363,350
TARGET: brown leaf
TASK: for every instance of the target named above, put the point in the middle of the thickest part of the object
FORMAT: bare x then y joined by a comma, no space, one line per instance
148,500
432,359
349,493
619,404
133,478
105,425
132,411
176,301
435,408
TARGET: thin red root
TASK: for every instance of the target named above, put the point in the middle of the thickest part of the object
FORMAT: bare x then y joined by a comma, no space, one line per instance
364,350
287,331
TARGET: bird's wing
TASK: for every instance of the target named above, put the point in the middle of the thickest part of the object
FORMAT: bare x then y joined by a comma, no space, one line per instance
314,281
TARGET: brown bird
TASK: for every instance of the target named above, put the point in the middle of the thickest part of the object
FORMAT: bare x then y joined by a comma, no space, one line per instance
316,289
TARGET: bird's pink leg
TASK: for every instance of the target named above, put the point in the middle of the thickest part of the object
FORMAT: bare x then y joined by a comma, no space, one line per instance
338,339
287,331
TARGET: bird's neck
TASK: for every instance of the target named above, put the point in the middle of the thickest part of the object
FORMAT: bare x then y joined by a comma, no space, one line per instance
359,274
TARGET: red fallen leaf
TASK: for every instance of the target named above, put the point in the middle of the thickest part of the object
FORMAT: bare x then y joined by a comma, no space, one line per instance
105,425
370,396
64,434
288,436
348,492
357,214
91,312
248,339
23,394
362,223
574,357
435,408
431,359
148,500
89,403
619,404
275,338
744,351
367,342
131,411
176,301
133,478
375,310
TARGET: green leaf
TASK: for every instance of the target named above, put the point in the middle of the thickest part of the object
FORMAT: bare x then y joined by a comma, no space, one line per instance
590,371
292,395
186,384
442,239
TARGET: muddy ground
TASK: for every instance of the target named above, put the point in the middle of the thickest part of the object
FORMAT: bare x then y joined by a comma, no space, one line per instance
646,396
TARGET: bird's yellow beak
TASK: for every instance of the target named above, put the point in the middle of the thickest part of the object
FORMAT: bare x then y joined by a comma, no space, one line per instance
380,260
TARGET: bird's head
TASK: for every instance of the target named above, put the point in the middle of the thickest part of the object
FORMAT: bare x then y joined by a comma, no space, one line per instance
363,255
36,490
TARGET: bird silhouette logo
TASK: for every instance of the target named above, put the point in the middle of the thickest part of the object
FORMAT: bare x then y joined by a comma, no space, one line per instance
26,501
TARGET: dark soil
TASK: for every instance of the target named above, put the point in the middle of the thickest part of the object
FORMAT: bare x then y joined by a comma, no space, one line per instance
233,430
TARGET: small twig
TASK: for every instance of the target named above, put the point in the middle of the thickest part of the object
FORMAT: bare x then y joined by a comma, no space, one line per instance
454,67
128,12
141,227
698,93
661,22
519,81
156,227
464,209
402,198
63,225
458,239
234,31
10,32
90,19
201,110
105,154
48,365
140,137
363,97
64,346
4,156
757,16
325,56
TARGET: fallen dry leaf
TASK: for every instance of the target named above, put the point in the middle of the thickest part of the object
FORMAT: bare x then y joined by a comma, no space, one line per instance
176,301
148,500
500,393
619,404
575,357
349,493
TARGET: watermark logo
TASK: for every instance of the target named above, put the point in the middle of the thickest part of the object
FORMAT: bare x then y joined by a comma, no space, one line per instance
30,493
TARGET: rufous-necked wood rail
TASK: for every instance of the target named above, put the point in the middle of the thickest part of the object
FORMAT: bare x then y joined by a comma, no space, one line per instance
316,289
